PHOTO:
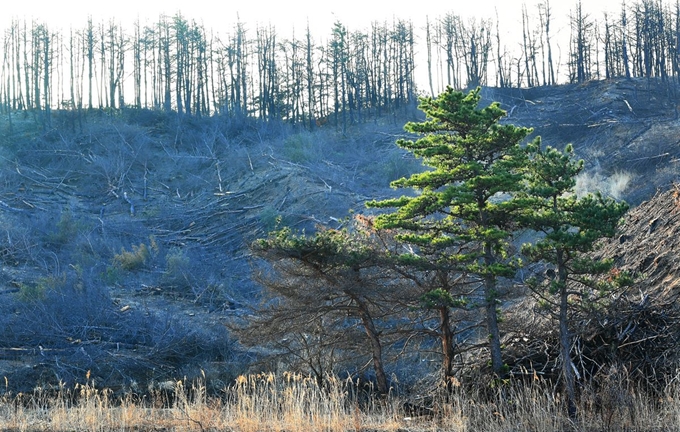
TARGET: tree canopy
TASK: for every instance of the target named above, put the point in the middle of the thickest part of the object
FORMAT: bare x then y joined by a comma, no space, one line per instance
570,227
463,199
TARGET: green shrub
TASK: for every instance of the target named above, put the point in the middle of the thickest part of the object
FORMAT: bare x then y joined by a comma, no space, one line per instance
396,166
31,292
66,229
38,291
270,218
112,275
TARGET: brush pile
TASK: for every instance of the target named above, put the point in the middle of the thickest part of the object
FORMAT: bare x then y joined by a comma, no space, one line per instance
635,331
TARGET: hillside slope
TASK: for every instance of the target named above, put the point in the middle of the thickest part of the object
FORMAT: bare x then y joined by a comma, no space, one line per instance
124,237
625,130
124,241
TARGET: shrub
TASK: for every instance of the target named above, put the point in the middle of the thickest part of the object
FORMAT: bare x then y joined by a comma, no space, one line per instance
132,260
177,264
397,165
30,292
298,148
66,229
112,275
269,218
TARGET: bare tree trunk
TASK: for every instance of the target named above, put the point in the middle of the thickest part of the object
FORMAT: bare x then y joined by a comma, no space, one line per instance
164,45
27,68
242,76
499,58
309,73
526,45
624,41
137,65
180,36
20,104
428,42
546,52
89,44
102,69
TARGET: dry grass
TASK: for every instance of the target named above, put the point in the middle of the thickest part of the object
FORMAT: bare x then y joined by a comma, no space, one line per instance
293,403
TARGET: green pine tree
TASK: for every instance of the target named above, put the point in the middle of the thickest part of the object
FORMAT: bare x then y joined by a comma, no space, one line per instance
333,274
570,227
462,208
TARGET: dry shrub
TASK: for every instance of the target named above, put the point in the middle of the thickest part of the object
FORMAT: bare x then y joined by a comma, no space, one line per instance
633,332
132,260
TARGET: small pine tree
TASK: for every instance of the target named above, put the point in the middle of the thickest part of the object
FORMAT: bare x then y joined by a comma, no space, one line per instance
462,208
570,227
332,274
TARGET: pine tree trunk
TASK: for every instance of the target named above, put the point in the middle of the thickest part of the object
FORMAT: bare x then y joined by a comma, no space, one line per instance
447,346
492,326
491,298
565,339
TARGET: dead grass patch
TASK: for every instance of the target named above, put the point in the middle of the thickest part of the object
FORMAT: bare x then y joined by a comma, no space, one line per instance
294,403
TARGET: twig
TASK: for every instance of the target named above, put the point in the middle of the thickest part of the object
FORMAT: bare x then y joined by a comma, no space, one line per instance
10,208
219,174
146,171
250,162
649,157
129,201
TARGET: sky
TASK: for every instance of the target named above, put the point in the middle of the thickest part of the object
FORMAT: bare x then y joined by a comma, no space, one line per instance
215,14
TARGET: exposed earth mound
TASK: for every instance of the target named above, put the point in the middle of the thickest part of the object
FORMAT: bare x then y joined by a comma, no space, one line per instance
649,244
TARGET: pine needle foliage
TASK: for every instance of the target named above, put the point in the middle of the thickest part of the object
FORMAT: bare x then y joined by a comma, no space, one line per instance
570,226
463,208
331,274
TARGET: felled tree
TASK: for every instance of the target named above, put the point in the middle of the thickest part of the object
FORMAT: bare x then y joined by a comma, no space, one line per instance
331,276
570,226
460,206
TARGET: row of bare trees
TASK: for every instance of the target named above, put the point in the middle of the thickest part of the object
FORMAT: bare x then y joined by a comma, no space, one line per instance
353,75
642,40
177,64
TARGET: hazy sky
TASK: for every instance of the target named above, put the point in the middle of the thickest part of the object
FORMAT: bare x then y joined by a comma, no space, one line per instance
283,14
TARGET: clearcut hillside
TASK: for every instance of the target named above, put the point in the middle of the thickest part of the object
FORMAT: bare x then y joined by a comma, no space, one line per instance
124,235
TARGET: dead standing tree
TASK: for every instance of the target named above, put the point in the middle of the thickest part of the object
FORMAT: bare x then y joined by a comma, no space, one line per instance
581,45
